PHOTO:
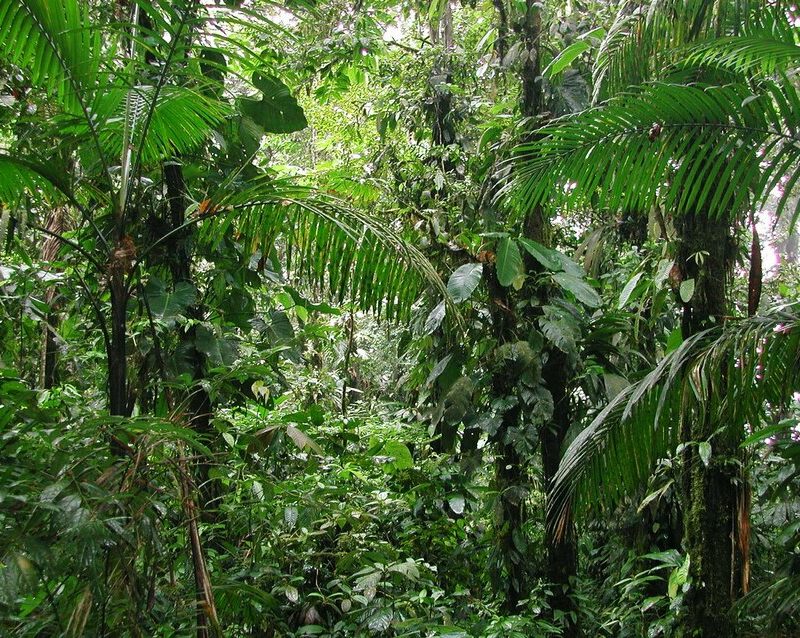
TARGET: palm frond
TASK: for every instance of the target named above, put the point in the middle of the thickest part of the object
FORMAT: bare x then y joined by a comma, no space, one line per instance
731,372
344,252
747,54
648,36
55,42
182,119
642,40
689,148
22,178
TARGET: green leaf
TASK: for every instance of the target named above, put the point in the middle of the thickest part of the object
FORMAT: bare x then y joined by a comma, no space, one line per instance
704,450
438,369
166,304
687,290
277,111
402,459
464,281
435,318
674,340
301,439
566,57
583,292
509,262
547,257
457,503
678,577
220,351
627,291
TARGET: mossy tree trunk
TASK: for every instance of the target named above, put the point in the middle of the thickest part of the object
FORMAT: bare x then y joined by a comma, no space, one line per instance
711,489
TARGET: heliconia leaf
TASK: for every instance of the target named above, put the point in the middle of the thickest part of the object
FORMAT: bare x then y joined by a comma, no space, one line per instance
509,262
464,281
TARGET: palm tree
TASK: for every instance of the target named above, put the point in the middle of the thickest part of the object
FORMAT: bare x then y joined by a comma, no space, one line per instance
709,141
120,125
124,99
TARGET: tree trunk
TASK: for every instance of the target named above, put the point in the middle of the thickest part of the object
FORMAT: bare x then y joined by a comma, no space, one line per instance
711,498
56,223
561,550
180,262
561,558
117,353
510,575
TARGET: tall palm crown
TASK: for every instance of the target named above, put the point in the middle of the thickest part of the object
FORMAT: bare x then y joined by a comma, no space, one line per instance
127,96
708,132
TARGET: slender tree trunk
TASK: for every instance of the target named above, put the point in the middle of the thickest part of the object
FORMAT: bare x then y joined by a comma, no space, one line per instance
561,557
117,353
56,223
714,509
562,551
180,262
511,567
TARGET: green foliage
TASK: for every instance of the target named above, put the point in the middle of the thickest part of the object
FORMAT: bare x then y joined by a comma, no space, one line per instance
619,449
226,201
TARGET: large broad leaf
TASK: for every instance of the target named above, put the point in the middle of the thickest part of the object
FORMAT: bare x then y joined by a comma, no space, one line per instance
167,304
509,262
547,257
220,351
627,291
566,57
401,456
583,292
302,440
277,111
463,281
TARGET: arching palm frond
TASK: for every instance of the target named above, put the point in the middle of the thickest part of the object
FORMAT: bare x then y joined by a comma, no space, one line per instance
643,40
763,54
347,253
733,373
20,178
688,147
56,42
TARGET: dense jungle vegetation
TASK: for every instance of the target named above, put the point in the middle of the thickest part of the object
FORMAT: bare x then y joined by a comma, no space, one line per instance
441,318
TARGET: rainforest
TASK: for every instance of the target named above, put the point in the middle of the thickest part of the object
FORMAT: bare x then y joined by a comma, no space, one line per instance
399,318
